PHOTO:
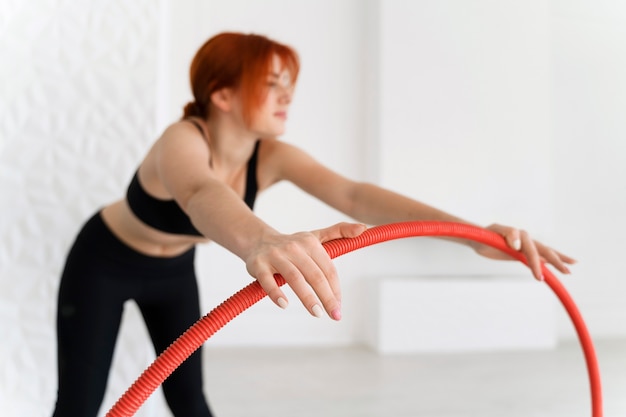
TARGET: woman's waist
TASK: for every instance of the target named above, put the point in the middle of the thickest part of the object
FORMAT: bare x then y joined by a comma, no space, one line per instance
131,231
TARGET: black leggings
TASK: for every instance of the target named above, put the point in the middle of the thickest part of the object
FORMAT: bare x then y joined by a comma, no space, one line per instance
100,274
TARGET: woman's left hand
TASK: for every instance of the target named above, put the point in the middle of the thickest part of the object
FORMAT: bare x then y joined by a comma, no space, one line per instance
535,252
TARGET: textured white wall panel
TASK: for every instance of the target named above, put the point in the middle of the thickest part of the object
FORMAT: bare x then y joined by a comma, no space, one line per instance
77,110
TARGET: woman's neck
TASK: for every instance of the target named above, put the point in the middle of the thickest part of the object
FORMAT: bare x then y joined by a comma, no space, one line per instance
231,143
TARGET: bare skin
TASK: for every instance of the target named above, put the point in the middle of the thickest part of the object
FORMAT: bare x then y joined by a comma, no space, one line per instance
207,178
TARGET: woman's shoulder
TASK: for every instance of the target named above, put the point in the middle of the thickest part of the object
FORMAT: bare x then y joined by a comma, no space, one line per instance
181,144
182,134
275,152
273,157
282,157
279,148
183,127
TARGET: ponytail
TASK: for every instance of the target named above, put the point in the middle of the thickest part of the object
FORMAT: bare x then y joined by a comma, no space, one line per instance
194,109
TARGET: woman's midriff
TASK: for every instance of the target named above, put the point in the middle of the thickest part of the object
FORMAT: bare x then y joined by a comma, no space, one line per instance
129,229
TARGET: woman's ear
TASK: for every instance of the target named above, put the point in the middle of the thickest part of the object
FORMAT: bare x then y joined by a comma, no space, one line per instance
223,99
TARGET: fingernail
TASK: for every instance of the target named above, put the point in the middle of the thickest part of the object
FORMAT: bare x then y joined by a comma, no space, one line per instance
317,311
336,314
517,244
282,303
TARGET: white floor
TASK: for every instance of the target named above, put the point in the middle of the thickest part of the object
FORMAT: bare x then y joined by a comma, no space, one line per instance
350,382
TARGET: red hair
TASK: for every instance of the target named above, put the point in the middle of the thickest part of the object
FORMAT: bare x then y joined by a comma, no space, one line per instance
239,61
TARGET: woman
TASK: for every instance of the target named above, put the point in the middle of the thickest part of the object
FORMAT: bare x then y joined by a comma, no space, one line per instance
196,184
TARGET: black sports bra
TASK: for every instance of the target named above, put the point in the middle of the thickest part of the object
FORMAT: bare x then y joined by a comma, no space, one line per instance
167,216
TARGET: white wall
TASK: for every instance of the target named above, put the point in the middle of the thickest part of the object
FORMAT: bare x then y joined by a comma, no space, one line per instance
77,111
497,111
465,119
589,159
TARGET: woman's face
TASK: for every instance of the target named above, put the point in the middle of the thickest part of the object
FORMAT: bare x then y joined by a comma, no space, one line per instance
270,118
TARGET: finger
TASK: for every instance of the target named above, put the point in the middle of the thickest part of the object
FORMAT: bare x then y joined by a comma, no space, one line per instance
331,281
273,291
513,239
532,255
552,257
339,230
320,276
305,278
511,235
566,259
305,288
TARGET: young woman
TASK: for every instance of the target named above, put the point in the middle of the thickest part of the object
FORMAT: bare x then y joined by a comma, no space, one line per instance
196,184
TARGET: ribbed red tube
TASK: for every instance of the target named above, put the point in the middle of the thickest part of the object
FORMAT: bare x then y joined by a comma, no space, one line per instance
203,329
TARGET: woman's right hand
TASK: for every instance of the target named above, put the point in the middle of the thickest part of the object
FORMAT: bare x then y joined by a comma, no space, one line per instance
306,266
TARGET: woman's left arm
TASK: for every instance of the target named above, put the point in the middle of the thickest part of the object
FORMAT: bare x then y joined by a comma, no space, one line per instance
371,204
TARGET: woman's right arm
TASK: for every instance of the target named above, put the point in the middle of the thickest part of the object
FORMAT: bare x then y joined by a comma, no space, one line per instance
181,159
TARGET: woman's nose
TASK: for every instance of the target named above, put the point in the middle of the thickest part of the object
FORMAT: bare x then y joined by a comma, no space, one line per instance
286,94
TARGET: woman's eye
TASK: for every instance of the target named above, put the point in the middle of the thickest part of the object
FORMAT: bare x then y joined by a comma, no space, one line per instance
272,84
